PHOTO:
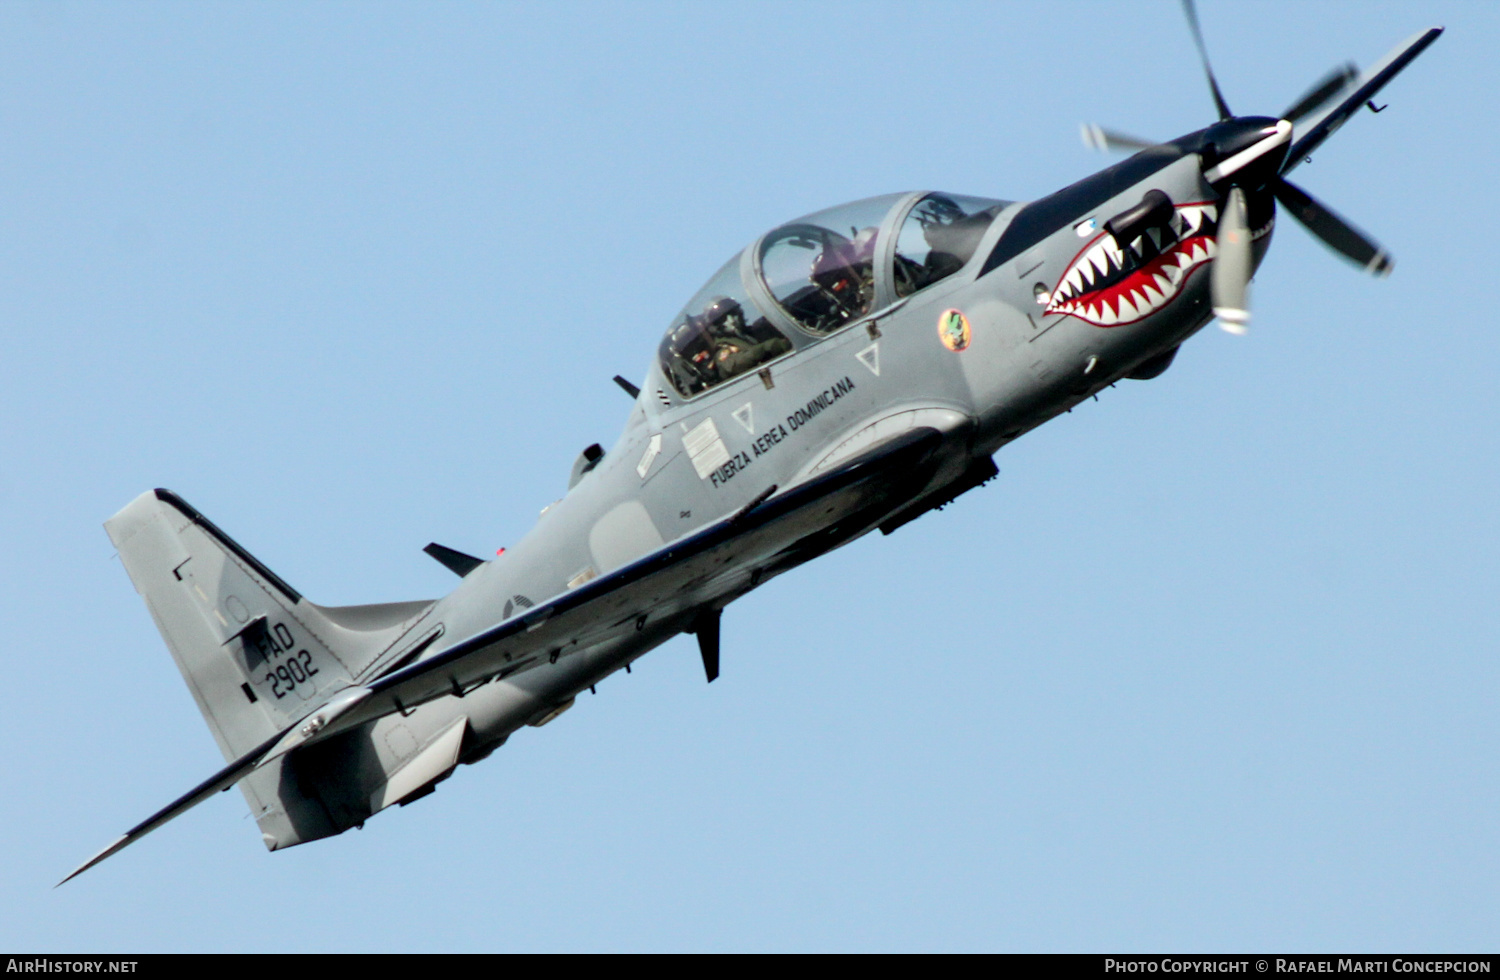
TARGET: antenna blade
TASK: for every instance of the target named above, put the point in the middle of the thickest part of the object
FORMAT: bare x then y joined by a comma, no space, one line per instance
456,562
706,626
1103,140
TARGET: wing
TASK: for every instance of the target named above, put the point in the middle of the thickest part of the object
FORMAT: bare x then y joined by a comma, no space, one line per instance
1311,131
774,532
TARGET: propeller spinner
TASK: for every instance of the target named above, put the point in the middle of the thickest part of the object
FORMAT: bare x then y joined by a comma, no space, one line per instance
1247,157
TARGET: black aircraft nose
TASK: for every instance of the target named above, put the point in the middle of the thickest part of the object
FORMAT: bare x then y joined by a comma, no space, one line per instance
1233,135
1223,140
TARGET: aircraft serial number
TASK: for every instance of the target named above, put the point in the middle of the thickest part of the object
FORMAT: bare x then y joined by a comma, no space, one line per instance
296,669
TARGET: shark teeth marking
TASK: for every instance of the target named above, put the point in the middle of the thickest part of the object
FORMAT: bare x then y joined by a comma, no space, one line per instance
1109,286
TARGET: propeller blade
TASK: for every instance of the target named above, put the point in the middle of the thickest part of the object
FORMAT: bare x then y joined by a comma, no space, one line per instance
1324,123
1106,140
1230,284
1321,91
1192,16
1333,230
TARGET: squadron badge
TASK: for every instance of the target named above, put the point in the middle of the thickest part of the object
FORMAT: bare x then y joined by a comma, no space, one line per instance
953,330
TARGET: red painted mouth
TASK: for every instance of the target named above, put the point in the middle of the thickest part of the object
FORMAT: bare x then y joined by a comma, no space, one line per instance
1109,286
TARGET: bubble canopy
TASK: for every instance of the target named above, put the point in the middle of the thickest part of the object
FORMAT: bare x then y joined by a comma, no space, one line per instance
810,277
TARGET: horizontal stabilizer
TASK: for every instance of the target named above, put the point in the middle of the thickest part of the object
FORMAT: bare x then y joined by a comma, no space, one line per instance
273,748
221,780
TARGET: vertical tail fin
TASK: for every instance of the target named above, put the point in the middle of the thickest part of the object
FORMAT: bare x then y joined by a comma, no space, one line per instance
258,658
256,655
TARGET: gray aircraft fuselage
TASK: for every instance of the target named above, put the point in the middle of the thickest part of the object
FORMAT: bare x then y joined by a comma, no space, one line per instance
850,370
880,375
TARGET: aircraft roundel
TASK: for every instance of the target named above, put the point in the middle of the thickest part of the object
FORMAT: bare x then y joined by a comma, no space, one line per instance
953,330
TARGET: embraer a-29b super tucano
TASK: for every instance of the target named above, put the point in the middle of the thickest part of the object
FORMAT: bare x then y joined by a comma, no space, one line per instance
847,371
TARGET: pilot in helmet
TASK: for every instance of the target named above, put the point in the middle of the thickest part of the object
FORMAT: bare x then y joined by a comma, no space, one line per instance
845,271
734,351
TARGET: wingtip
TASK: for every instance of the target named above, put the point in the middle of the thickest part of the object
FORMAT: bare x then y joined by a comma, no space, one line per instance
111,848
1424,38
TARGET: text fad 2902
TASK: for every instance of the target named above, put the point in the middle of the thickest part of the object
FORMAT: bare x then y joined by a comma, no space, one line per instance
286,666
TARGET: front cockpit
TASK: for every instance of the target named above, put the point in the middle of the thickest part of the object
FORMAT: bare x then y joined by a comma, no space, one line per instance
938,237
809,278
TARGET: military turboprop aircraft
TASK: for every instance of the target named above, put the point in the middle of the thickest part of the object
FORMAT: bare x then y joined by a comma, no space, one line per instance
853,369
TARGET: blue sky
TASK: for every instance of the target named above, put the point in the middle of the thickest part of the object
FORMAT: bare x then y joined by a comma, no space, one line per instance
1213,664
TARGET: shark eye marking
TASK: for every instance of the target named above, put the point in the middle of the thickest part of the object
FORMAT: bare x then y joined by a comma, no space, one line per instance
1110,287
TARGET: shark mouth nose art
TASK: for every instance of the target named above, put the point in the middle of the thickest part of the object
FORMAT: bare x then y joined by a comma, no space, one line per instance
1109,286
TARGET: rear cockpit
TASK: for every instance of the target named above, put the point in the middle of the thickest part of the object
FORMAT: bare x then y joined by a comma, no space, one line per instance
808,278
